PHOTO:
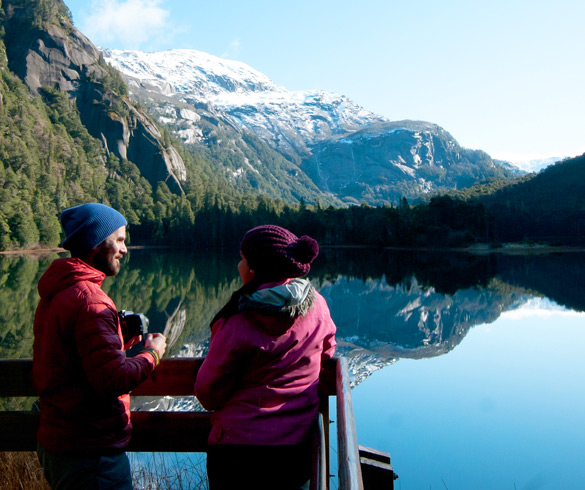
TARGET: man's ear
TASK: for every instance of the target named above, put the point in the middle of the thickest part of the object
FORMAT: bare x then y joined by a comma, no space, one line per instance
89,257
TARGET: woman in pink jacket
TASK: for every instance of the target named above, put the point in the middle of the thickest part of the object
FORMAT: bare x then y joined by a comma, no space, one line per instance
261,373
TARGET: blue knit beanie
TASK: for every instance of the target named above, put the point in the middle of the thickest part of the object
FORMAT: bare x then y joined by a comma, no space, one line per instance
88,225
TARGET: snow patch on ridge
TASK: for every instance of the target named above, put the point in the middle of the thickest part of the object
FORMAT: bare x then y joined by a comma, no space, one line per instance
251,99
407,170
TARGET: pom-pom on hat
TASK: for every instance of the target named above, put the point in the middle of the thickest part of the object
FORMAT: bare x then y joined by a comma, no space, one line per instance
276,253
88,225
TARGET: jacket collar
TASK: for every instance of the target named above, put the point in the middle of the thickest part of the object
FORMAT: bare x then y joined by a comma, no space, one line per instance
291,298
63,273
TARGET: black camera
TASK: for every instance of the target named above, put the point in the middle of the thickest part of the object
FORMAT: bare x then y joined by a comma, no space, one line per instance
132,324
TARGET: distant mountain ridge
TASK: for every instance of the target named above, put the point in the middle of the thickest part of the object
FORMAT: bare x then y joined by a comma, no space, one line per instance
72,133
310,129
538,164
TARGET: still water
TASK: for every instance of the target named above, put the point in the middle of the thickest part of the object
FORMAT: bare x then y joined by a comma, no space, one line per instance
504,410
467,369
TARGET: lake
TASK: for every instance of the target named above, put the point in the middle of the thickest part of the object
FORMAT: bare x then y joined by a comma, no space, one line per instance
467,368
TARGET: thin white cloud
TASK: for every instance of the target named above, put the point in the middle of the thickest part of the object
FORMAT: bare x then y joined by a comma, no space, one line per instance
125,24
233,50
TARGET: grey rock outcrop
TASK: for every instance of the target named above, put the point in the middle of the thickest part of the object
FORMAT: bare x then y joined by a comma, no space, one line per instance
387,161
58,56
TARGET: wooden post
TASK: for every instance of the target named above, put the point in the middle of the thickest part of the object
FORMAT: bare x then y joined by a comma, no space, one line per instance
377,472
350,475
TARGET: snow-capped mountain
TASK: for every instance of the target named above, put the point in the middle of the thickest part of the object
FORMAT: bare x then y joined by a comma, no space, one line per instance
538,164
290,120
327,147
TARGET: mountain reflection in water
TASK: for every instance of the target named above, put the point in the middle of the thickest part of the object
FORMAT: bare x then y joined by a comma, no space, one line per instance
416,305
386,304
460,420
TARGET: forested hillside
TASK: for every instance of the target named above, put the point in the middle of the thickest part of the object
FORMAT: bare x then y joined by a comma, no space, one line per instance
69,134
549,207
49,160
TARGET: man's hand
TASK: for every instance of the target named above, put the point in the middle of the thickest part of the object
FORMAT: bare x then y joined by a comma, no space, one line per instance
157,341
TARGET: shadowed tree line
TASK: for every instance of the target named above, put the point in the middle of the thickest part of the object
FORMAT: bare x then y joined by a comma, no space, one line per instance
158,282
49,161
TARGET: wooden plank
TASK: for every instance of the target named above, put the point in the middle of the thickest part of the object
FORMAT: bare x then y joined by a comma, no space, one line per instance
377,475
326,420
169,431
348,466
375,454
319,473
152,431
328,378
377,471
19,431
16,377
173,377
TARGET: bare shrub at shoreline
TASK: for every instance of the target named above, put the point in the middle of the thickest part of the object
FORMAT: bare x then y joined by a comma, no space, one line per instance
150,471
21,471
168,471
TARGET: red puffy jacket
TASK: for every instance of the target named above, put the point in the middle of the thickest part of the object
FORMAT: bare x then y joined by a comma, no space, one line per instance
81,372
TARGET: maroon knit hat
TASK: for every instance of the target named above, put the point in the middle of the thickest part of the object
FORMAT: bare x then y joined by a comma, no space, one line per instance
276,253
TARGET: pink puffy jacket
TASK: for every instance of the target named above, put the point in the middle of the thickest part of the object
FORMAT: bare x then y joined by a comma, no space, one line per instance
81,372
261,373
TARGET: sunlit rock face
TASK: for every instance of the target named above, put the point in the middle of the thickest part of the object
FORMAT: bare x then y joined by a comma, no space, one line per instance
58,56
387,161
289,121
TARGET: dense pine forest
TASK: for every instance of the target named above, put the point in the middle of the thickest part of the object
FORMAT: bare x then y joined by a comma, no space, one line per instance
50,160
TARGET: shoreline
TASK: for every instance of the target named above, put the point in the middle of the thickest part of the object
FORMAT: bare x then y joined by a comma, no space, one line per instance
33,251
59,250
510,248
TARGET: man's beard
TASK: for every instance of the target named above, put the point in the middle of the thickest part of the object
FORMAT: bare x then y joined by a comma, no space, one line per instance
110,267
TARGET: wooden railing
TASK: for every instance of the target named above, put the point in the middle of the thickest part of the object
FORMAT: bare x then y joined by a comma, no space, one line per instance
187,431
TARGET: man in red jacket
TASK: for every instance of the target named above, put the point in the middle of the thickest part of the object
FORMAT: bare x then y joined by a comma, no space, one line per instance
80,368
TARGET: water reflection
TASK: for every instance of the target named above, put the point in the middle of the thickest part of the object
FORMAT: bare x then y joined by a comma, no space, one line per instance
378,323
386,304
507,397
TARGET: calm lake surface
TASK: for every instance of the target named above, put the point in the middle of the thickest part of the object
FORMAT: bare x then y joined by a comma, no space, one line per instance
468,369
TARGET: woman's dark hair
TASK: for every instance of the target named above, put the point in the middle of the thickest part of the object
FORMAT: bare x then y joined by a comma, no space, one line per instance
231,307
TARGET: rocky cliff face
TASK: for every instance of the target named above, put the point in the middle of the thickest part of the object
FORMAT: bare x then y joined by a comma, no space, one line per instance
246,161
288,121
387,161
47,51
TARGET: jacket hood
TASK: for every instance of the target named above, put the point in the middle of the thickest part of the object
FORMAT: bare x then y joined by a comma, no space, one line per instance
63,273
278,306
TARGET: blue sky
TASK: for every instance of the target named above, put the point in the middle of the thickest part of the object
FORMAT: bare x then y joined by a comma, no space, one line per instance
505,76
